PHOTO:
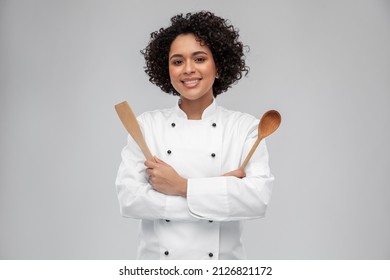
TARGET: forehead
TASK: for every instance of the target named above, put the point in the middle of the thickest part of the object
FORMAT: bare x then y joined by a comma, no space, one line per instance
187,43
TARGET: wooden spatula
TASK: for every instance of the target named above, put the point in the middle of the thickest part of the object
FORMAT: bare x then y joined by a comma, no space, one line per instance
131,124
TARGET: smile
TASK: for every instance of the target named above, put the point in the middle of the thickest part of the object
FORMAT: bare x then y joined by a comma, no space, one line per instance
191,83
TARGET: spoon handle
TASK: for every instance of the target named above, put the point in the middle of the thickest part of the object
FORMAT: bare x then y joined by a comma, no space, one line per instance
248,157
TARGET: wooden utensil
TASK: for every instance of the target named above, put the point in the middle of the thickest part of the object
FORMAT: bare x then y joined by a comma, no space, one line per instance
130,122
269,122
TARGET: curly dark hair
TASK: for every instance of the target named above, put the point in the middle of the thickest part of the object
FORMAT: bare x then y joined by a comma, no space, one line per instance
213,31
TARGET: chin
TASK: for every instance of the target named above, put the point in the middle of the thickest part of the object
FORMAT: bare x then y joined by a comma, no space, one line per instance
193,96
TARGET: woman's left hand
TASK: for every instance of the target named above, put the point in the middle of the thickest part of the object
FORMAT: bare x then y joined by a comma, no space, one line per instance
165,179
239,173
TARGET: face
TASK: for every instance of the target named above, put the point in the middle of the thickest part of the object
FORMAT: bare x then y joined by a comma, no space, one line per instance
191,68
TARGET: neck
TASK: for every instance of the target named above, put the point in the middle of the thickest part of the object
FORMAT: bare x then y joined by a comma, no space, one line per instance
194,108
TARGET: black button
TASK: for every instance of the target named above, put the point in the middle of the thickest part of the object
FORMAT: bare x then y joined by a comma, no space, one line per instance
214,124
169,152
167,253
213,155
167,221
173,124
211,255
210,221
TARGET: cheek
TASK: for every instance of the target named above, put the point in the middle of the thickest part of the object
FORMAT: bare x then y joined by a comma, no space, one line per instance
172,73
210,69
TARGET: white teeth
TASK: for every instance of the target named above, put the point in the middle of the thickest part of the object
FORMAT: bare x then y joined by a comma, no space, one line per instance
190,82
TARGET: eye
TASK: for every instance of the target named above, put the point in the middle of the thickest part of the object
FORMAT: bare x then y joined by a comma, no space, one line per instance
200,59
177,62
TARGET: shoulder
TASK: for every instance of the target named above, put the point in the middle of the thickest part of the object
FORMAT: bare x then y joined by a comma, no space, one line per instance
240,120
155,116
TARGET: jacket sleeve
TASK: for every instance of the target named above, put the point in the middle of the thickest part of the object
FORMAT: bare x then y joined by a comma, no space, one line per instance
228,198
137,198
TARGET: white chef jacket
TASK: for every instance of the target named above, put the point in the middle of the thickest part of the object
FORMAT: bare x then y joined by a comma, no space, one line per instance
207,224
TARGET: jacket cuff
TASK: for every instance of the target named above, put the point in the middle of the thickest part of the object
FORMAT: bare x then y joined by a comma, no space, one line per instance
207,198
176,208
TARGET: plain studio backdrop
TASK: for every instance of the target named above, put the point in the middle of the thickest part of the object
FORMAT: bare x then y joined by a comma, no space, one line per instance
325,65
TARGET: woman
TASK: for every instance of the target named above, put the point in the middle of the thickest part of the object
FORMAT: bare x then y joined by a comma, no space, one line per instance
192,198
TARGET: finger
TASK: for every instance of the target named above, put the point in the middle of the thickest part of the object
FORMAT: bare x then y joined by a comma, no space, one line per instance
149,171
159,160
240,173
150,164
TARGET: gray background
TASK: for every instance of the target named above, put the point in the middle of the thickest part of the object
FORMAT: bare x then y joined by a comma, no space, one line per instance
324,65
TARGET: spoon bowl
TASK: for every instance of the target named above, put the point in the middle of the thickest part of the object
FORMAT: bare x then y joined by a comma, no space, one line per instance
269,122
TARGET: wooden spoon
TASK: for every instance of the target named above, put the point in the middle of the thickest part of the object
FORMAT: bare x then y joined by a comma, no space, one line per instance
269,122
131,124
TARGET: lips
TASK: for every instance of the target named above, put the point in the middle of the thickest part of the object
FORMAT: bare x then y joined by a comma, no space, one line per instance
192,82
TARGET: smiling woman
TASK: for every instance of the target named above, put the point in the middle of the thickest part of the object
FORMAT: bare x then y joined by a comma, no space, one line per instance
192,71
192,197
221,38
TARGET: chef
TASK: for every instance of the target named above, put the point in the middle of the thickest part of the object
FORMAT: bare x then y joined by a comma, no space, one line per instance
191,200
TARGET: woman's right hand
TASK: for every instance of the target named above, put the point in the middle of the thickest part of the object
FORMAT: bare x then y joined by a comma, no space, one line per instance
165,179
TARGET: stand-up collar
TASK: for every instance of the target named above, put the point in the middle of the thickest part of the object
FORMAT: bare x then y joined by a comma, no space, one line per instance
209,111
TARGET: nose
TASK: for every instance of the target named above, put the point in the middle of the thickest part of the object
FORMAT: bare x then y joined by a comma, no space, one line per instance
189,67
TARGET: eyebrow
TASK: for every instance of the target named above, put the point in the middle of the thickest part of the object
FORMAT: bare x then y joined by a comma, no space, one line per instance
193,54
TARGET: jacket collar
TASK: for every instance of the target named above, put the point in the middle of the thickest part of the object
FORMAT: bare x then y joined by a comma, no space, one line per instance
208,112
